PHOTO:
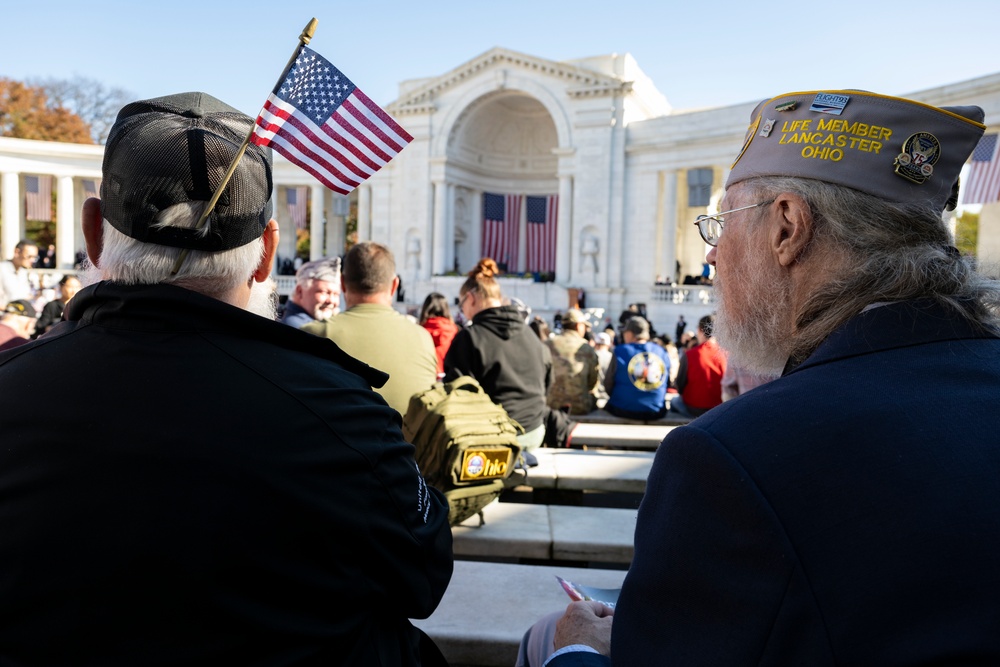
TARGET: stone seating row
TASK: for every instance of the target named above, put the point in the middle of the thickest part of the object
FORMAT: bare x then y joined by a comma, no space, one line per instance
523,531
594,435
488,607
575,470
601,416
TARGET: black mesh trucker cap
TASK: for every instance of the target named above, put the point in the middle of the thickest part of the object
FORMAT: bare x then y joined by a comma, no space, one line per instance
176,149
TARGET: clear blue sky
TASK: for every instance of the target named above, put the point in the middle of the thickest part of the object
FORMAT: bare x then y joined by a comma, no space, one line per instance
698,53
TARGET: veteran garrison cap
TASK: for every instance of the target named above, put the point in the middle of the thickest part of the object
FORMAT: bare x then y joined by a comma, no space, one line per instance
176,149
896,149
326,269
20,307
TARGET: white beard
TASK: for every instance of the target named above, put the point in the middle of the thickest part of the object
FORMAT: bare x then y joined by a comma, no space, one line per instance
263,299
758,337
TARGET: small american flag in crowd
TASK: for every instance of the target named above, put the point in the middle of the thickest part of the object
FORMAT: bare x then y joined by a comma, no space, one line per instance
38,198
982,184
317,118
298,200
501,219
541,214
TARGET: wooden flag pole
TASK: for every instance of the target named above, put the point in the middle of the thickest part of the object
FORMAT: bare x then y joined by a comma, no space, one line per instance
304,38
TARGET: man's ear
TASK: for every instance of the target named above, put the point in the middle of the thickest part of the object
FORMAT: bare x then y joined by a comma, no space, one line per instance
792,227
395,284
93,228
270,237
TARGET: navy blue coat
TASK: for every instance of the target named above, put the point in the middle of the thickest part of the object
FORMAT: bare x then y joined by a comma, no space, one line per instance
845,514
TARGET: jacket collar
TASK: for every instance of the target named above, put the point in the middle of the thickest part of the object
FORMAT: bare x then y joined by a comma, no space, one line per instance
888,326
170,308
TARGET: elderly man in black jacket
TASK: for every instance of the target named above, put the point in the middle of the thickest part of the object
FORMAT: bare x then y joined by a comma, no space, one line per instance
216,488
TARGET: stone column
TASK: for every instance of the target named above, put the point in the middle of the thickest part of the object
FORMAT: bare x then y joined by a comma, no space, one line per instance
336,225
564,238
65,220
10,215
317,221
364,212
439,250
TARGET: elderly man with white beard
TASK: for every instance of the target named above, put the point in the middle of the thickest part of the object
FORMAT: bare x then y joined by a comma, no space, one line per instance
215,488
845,513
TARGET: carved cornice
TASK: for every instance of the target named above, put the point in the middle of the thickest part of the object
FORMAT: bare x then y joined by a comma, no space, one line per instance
582,82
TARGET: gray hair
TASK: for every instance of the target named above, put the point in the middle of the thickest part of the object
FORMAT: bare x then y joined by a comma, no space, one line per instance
131,262
891,252
326,269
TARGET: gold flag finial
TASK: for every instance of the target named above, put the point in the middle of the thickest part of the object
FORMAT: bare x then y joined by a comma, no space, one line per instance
308,31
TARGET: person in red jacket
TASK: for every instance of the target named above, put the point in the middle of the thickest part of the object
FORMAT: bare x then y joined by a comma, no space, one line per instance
435,316
699,375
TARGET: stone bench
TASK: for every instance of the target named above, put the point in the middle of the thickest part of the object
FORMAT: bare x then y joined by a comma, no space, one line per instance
488,607
601,416
599,470
548,532
619,436
564,476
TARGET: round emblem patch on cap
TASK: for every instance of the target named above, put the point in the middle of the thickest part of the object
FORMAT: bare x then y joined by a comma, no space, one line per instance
920,152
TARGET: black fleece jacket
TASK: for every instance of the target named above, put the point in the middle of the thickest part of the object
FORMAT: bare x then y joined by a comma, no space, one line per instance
507,359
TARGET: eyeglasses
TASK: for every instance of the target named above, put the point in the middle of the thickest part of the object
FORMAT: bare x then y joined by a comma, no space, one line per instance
710,226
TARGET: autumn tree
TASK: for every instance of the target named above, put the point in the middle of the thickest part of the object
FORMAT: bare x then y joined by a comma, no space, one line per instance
27,113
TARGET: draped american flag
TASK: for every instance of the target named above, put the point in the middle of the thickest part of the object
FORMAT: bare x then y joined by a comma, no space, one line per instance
38,198
982,185
541,214
298,201
317,118
501,219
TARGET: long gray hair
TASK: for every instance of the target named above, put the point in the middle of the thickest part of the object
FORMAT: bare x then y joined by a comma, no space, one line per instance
891,252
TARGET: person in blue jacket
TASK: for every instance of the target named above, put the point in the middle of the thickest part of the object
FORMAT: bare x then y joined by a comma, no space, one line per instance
837,515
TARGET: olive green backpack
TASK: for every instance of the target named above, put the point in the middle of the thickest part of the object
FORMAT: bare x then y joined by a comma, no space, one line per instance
466,445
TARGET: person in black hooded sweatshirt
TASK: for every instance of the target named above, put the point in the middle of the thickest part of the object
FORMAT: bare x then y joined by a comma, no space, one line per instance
502,353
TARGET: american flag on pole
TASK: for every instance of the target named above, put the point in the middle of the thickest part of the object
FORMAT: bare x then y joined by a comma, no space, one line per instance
501,219
317,118
982,185
38,198
298,202
541,232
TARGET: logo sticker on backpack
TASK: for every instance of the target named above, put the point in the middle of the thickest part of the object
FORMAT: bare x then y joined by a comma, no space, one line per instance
485,464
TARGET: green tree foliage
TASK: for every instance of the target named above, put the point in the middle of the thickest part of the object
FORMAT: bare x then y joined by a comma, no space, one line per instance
27,113
967,233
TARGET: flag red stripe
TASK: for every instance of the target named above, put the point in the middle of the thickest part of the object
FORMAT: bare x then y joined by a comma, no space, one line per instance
351,133
302,153
365,166
303,126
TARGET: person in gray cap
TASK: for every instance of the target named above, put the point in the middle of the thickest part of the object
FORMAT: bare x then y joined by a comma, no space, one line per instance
833,516
316,297
216,488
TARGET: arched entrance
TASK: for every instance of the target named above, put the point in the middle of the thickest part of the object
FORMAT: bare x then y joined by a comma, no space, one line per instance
501,149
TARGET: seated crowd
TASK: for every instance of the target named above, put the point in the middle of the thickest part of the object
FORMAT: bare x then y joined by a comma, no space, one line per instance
221,487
